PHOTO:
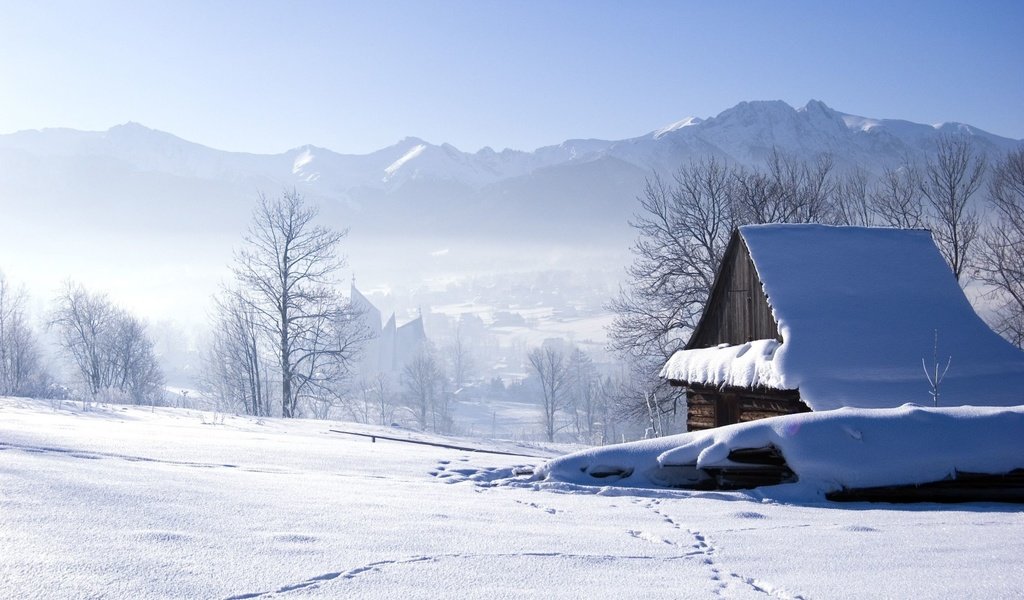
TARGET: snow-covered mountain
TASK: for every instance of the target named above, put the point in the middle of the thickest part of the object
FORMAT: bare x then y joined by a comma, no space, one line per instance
153,218
590,183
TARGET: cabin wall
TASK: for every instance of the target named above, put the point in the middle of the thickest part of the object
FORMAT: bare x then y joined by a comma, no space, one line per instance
708,407
738,310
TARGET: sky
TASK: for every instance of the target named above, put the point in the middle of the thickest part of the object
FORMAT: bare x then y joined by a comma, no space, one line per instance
355,77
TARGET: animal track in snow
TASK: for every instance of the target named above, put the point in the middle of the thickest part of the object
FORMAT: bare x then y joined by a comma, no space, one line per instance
550,511
702,548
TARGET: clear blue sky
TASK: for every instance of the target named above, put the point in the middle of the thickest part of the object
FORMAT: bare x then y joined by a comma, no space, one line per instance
269,76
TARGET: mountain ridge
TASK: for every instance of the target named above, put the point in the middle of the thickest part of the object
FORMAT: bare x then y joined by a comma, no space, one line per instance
415,185
767,120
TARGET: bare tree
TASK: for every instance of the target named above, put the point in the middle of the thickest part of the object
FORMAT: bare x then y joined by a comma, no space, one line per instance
378,400
852,205
1001,256
109,347
460,358
896,198
584,396
814,187
683,231
549,365
236,369
20,368
785,191
287,268
422,378
383,398
133,361
84,321
950,180
326,355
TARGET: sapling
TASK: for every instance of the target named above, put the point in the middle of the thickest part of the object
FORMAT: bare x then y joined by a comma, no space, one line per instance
935,378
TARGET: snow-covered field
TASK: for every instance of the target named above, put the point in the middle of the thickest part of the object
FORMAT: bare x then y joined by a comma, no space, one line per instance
129,503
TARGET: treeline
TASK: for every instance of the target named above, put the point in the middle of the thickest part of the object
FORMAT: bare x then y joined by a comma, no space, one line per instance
109,352
973,205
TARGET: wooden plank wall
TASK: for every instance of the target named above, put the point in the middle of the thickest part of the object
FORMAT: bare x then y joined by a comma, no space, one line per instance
708,406
738,309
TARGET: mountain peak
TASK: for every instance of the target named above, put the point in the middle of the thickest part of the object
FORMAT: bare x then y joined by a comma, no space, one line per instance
131,126
816,105
411,140
140,133
748,112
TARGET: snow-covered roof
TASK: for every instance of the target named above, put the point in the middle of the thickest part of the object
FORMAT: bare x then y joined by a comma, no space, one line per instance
858,309
745,365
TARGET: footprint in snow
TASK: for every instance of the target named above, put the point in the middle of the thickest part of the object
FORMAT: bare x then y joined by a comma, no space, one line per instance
648,537
858,528
550,511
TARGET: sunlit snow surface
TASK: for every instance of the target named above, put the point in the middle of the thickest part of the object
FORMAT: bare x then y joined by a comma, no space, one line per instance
128,503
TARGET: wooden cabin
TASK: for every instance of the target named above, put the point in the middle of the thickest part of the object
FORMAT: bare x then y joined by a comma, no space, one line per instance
737,312
814,317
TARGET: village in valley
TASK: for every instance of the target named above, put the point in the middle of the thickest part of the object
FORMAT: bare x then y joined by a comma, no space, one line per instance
776,350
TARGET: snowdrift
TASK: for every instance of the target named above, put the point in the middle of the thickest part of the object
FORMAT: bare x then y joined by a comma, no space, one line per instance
812,454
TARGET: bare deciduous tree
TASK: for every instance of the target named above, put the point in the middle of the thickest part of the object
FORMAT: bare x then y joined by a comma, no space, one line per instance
852,202
584,395
83,321
236,369
133,361
109,347
896,198
460,357
383,398
287,268
1001,256
785,191
549,365
326,356
20,368
683,231
422,378
949,182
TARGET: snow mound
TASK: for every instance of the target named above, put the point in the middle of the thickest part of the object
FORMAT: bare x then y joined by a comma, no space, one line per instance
829,451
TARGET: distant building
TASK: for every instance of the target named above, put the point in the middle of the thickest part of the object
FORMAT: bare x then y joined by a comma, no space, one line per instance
391,347
813,317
